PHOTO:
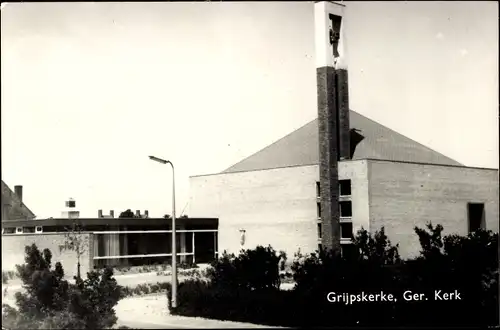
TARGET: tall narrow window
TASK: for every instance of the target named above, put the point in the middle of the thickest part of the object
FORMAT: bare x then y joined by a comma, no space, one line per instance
346,230
345,187
476,217
345,209
318,189
320,228
318,207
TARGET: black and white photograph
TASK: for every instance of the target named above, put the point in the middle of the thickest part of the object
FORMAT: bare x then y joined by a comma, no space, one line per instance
249,164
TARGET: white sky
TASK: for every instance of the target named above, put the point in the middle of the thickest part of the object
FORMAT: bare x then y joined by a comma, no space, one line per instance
89,90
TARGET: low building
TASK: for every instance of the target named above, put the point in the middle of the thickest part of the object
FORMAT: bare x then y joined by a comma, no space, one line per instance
111,241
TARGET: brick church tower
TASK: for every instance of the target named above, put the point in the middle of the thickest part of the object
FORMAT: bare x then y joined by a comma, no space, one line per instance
333,113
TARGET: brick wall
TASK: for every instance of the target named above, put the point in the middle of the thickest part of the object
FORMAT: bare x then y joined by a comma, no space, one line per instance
404,195
328,156
342,91
276,207
13,251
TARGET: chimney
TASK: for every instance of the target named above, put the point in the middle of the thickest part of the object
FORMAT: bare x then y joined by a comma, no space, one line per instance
99,214
146,214
138,213
112,213
19,192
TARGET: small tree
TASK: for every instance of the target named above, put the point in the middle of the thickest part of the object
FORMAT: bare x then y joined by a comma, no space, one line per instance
127,214
376,248
75,241
50,302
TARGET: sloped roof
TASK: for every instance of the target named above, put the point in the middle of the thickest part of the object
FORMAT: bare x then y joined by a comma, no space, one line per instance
18,209
301,148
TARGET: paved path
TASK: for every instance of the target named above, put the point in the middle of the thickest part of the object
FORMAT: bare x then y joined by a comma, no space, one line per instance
151,312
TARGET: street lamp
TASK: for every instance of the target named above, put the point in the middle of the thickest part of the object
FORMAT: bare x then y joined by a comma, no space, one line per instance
174,247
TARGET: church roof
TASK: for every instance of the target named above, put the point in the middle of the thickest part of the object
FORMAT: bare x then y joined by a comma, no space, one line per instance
369,139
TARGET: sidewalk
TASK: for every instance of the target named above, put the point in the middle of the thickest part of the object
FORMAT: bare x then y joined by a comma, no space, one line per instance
151,312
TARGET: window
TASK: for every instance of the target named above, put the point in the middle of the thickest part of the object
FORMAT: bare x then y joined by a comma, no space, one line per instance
9,230
29,230
320,227
345,209
318,206
476,216
318,189
320,247
345,187
346,230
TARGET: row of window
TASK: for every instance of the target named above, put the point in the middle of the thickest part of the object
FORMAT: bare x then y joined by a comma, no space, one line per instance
346,230
345,209
22,230
344,188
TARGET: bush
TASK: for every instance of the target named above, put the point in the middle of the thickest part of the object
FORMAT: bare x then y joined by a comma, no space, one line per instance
466,264
52,302
244,288
239,288
201,299
367,269
7,276
142,289
252,269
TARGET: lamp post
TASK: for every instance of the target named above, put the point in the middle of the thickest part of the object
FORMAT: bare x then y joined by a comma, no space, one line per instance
174,245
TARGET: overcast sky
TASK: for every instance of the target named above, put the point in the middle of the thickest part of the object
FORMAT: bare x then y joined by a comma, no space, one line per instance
89,90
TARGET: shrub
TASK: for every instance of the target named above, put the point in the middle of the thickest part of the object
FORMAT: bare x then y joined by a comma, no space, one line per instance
239,288
252,269
468,264
187,265
51,302
365,269
63,320
201,299
7,276
242,288
142,289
